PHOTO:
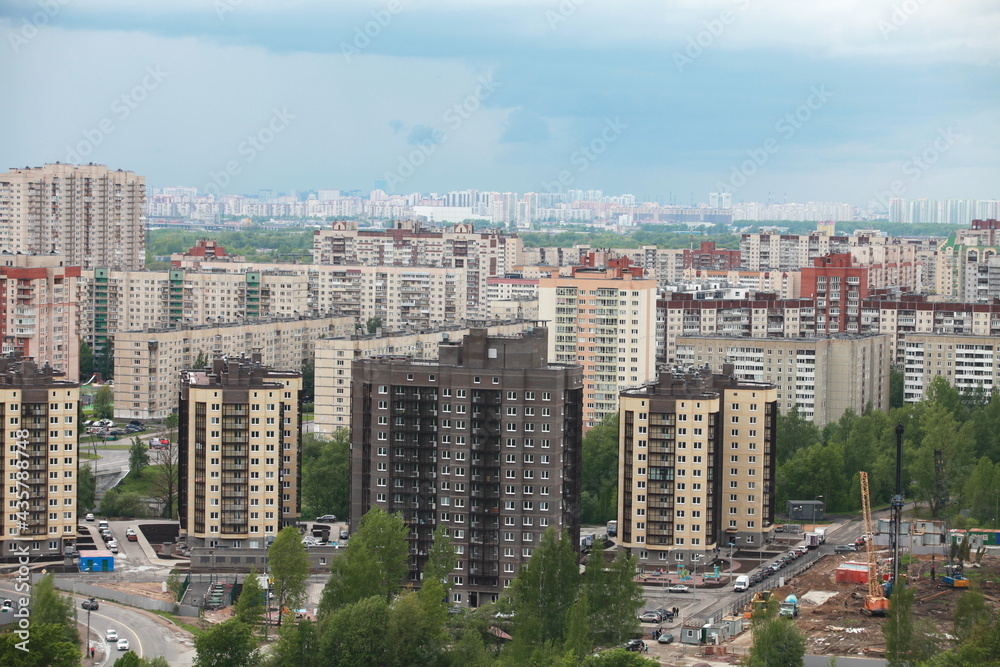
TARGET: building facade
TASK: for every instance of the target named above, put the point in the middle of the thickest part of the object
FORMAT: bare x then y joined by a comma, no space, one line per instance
605,320
968,362
39,465
93,215
486,440
822,376
697,466
238,453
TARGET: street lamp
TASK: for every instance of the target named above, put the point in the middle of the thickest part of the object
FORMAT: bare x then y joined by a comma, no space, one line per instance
732,544
817,498
694,576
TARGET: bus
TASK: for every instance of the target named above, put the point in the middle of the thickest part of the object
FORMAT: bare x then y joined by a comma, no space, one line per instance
612,528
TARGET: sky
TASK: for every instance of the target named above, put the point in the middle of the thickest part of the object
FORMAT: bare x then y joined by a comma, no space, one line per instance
788,100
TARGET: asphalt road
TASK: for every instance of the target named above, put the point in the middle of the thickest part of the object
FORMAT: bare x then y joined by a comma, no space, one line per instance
147,637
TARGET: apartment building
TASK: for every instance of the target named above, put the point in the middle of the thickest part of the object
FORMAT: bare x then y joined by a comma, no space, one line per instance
93,215
666,265
697,471
482,254
786,284
969,263
38,409
148,362
605,320
238,453
336,357
39,311
969,363
486,440
823,376
768,250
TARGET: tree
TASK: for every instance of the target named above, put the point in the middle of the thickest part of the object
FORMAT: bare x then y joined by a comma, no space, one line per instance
896,387
138,456
355,635
599,471
441,559
614,598
104,402
906,641
130,659
201,361
175,584
417,627
250,605
326,472
794,433
123,503
942,458
579,641
618,657
86,488
104,361
86,360
46,646
971,614
308,379
48,606
373,324
289,565
165,476
298,645
375,563
776,642
980,491
228,644
544,591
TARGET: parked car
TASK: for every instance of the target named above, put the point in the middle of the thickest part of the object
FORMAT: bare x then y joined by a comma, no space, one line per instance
122,644
845,548
665,638
636,645
89,517
678,588
326,518
343,534
106,535
113,547
111,635
650,617
102,524
92,604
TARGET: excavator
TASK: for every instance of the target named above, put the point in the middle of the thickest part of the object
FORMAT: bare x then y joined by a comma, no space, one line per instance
876,603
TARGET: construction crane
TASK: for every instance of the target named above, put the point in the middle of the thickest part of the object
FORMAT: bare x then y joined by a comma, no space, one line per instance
876,603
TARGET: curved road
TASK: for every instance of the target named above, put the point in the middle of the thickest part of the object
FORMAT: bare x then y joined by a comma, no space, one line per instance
148,637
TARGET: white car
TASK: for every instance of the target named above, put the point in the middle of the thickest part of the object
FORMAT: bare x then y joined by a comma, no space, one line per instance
678,588
89,517
122,644
111,635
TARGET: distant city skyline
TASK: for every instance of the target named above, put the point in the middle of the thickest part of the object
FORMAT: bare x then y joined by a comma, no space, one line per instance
769,99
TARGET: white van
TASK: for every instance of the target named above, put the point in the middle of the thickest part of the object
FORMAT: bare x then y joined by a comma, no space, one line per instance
742,583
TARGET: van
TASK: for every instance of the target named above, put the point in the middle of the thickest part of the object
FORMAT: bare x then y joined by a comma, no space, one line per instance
742,583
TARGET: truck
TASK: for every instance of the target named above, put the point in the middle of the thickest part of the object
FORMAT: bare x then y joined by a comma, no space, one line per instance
586,542
812,540
821,531
612,528
790,607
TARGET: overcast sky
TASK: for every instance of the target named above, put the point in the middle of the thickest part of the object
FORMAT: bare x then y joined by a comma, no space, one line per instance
823,100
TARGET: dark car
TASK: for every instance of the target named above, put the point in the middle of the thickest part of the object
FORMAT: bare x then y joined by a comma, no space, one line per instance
635,645
91,604
665,638
326,518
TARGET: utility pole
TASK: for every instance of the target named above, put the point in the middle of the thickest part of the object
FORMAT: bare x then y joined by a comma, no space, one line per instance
897,506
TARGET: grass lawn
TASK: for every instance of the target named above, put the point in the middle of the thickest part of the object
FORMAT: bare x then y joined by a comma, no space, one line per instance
193,629
143,484
87,456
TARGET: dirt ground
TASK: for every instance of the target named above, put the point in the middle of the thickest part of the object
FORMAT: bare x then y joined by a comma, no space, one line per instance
839,626
151,590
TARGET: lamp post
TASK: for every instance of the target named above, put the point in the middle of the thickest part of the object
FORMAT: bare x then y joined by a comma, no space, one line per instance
694,576
815,500
732,544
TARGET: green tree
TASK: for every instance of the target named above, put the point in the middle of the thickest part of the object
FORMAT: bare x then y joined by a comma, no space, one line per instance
907,641
298,645
980,491
942,433
355,635
46,646
776,642
614,598
104,361
201,361
175,584
123,504
375,563
579,641
228,644
971,614
981,648
441,559
86,360
544,591
289,565
326,471
104,402
48,606
373,324
130,659
250,605
417,627
896,386
308,379
138,456
794,433
165,476
86,488
599,472
618,657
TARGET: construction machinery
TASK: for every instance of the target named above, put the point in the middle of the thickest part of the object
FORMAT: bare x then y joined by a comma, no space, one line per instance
876,603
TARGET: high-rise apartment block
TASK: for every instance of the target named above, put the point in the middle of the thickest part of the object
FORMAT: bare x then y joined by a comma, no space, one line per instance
697,471
38,410
605,320
39,311
822,376
238,453
486,440
93,215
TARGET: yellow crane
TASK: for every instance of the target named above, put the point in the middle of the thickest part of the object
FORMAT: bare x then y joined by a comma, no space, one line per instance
876,603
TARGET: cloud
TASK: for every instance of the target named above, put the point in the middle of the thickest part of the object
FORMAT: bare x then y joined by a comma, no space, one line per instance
423,135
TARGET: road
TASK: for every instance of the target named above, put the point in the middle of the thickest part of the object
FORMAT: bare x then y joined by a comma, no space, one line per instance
147,636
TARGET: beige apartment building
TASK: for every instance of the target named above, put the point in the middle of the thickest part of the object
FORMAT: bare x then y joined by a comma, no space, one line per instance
336,358
697,466
605,320
482,254
238,453
822,376
969,363
38,410
148,362
39,311
93,215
